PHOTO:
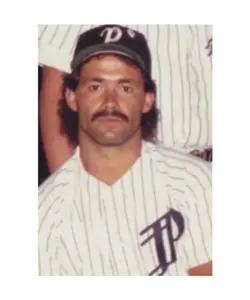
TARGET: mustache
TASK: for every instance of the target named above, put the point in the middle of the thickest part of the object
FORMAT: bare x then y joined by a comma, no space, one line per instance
108,113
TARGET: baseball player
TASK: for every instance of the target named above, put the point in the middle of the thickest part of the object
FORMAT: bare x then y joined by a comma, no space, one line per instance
122,205
181,67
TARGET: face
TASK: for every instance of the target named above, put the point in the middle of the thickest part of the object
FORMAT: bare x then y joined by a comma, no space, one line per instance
110,100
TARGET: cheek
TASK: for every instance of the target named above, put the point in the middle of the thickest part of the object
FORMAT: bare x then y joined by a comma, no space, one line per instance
86,105
135,111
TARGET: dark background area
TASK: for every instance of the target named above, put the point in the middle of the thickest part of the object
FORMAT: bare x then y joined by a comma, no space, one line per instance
43,172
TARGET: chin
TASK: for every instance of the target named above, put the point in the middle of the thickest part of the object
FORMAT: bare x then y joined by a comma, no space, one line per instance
110,140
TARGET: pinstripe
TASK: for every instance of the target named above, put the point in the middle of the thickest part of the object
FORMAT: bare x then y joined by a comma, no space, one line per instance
74,237
86,233
68,255
171,205
171,83
188,56
203,80
50,265
56,255
181,75
43,31
63,270
90,202
197,180
129,228
112,267
145,212
175,189
198,97
193,162
47,212
171,176
74,44
75,204
65,37
49,236
102,263
59,224
183,169
118,226
133,189
77,211
186,256
53,35
99,199
134,198
49,193
202,229
192,241
52,178
153,185
109,240
126,261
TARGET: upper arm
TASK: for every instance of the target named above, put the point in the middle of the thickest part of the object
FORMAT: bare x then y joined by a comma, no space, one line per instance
57,146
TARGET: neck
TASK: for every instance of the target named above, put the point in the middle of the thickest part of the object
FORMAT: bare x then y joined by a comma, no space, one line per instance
108,164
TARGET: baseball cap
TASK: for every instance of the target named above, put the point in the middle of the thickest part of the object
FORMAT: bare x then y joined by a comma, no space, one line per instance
113,39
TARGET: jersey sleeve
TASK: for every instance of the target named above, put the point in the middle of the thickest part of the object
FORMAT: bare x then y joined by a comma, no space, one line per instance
56,45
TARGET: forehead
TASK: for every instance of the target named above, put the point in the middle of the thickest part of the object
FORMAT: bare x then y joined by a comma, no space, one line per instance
110,63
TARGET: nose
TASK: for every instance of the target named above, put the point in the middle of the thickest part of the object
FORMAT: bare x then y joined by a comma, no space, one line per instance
110,99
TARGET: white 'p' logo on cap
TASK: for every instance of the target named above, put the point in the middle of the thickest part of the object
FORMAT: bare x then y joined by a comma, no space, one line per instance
111,34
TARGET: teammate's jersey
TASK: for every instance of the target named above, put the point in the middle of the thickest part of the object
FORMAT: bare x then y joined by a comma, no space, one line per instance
155,220
181,66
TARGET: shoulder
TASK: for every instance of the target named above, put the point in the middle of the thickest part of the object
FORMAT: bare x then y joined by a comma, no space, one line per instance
179,167
60,178
53,193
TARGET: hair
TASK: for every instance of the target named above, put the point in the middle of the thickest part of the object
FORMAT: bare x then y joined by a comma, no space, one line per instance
69,118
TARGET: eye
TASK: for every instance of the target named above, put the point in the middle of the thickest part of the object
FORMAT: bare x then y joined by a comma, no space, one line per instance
127,89
94,87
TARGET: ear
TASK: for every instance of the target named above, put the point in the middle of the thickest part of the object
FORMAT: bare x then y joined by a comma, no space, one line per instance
71,99
149,102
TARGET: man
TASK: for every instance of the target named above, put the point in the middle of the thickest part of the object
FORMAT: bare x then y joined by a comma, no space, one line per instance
181,66
122,204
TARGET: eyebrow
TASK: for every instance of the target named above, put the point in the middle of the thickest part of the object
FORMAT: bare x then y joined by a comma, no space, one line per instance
120,81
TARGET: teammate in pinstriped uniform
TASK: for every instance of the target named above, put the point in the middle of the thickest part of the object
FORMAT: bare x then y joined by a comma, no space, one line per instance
122,204
181,67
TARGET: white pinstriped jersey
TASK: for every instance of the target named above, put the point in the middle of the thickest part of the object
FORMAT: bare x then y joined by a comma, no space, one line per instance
181,66
155,220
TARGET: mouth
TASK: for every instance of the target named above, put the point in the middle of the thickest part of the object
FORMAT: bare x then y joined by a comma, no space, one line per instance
110,119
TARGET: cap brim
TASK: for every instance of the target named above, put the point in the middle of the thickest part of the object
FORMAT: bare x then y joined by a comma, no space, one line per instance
98,49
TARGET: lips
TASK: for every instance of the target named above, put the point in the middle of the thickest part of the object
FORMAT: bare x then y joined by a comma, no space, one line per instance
110,119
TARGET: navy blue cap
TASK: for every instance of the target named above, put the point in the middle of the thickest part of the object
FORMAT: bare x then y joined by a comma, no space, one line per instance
115,39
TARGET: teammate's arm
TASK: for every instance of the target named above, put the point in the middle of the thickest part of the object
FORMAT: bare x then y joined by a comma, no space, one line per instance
202,270
57,147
